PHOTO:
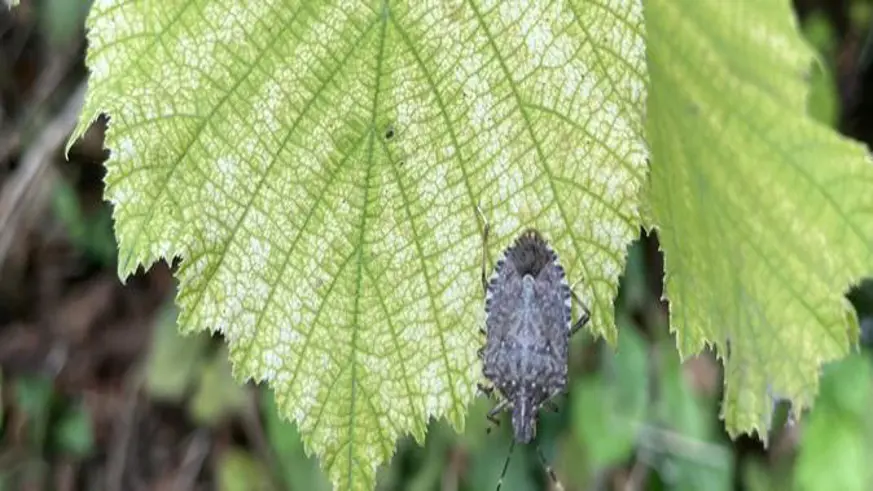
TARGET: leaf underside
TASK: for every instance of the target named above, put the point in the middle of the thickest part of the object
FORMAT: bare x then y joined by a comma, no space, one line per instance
317,168
764,215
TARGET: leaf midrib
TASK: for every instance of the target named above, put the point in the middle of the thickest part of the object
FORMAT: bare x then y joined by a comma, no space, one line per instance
540,154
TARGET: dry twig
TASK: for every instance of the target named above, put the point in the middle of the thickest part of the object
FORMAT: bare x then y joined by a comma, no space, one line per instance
22,188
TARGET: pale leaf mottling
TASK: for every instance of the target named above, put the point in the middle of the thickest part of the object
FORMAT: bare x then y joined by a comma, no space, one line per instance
341,263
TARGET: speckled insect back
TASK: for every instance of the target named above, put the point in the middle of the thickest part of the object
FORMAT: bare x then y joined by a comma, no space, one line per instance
528,325
527,329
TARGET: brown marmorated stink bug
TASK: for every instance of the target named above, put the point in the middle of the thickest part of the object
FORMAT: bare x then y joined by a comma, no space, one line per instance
528,326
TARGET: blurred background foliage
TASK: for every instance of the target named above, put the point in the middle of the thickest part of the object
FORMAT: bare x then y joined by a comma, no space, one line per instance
99,391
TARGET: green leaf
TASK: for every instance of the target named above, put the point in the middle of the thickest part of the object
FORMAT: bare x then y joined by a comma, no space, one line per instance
824,97
691,459
61,20
486,465
239,471
752,200
2,416
317,167
34,396
299,470
837,442
608,409
73,432
217,395
90,233
174,359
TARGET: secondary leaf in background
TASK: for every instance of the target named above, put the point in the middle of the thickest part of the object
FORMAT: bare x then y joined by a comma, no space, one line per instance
174,359
61,20
683,434
73,431
608,408
218,395
34,396
238,470
837,442
824,97
317,168
298,470
486,464
764,215
90,233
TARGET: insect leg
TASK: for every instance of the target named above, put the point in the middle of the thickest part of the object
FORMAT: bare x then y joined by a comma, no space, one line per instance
549,403
492,414
484,389
485,230
506,464
584,318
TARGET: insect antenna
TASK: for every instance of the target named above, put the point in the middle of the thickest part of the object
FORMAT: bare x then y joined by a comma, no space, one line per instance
548,467
506,464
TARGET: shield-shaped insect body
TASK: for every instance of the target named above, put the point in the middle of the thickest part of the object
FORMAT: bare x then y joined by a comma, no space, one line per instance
528,325
527,329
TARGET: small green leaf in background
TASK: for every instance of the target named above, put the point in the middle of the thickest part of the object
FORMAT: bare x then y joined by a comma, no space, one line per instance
430,465
174,359
758,476
218,394
684,433
824,97
861,14
238,470
299,470
608,408
34,396
73,432
485,465
90,234
485,451
836,448
2,403
61,20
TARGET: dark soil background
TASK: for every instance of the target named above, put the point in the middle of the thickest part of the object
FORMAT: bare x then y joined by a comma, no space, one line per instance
71,329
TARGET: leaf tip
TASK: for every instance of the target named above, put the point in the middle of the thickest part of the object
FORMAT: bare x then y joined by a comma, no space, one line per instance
78,132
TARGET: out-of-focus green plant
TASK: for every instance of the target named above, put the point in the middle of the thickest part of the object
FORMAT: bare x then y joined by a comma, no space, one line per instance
683,432
33,397
73,433
609,407
91,234
174,359
823,99
182,364
837,443
217,395
238,470
53,422
62,20
298,469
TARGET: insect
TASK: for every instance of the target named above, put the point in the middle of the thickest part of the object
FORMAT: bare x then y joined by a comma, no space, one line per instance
528,325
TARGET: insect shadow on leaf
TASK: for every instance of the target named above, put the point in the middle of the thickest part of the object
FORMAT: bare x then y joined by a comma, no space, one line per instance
528,325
